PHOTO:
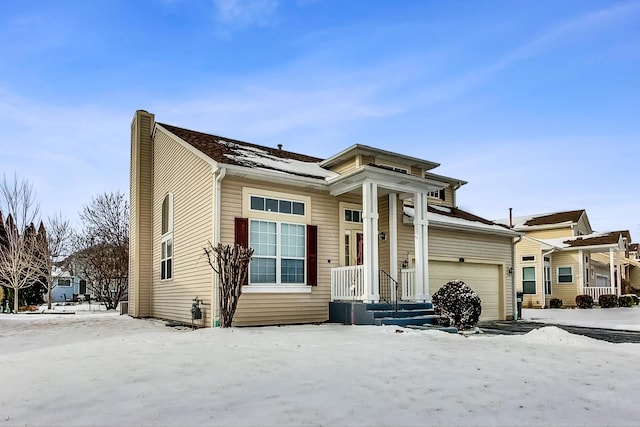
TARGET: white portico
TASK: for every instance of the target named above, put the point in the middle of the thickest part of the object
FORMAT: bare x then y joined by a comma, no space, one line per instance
388,187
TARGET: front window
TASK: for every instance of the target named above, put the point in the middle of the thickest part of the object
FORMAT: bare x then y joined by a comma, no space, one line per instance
352,215
166,241
64,283
529,280
565,275
268,204
279,252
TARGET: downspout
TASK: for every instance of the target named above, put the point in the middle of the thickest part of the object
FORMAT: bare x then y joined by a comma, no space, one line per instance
514,295
216,240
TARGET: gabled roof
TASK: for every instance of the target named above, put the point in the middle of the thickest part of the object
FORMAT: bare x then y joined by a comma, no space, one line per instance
457,218
544,220
377,152
595,239
234,152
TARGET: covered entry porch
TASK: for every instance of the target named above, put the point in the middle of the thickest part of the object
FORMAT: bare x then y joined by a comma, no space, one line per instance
378,273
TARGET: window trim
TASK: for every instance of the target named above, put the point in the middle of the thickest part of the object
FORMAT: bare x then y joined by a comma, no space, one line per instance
535,286
532,258
558,281
66,280
279,257
166,240
344,215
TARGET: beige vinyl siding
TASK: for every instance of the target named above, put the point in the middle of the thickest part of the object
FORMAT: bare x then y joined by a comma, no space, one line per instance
634,277
416,171
383,226
551,234
527,247
565,291
140,251
189,178
345,167
286,308
583,226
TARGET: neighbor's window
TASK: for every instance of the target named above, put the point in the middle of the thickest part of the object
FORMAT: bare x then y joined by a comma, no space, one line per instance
166,242
352,215
279,252
268,204
65,283
565,275
529,280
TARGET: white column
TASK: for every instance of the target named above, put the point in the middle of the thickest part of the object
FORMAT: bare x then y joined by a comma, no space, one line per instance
611,270
581,272
421,239
393,239
370,235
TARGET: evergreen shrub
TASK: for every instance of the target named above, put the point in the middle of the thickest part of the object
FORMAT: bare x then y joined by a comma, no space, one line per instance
457,305
608,301
584,301
555,303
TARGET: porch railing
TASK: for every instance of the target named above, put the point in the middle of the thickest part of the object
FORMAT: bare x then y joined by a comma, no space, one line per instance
596,291
408,276
347,283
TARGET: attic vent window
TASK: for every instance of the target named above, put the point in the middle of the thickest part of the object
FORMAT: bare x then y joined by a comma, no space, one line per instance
528,258
267,204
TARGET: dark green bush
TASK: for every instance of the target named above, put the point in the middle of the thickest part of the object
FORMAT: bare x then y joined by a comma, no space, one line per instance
555,303
584,301
608,300
634,297
625,301
457,305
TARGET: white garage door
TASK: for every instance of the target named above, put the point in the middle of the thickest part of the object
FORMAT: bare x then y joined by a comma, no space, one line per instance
482,278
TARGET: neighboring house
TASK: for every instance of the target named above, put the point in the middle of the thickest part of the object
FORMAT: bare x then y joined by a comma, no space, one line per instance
340,229
560,256
66,286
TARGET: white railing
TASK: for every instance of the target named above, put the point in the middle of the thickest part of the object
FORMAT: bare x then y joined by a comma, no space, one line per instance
596,291
408,284
347,283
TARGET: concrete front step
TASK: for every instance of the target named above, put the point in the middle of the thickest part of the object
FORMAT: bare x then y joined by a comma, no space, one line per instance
401,313
415,320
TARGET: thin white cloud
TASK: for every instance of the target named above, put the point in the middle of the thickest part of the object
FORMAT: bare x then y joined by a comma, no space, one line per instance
244,13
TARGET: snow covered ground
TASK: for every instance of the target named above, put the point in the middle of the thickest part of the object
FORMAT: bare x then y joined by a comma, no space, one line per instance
624,318
104,369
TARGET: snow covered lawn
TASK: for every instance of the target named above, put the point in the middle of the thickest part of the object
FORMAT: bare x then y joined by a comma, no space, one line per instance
624,318
105,369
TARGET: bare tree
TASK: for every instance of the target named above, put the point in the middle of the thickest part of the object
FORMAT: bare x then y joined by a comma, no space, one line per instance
21,263
102,248
231,263
58,235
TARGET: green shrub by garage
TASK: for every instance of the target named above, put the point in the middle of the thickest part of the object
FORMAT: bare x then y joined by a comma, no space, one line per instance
555,303
625,301
584,301
608,301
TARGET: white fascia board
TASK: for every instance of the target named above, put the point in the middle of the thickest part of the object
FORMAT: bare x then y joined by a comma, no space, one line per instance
401,183
594,248
274,176
475,229
188,147
526,228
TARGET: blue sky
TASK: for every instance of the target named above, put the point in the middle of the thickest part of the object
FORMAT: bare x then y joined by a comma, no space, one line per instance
535,104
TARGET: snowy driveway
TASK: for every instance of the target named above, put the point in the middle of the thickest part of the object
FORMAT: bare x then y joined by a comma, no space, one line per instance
104,369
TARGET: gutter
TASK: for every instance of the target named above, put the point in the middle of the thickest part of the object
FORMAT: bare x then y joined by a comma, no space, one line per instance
221,173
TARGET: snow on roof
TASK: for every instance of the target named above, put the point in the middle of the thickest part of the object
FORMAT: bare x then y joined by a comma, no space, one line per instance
544,219
255,157
593,239
458,218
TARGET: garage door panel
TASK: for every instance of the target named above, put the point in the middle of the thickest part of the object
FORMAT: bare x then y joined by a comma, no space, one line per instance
484,279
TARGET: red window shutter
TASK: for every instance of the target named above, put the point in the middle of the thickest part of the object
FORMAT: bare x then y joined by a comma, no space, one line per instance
312,255
242,232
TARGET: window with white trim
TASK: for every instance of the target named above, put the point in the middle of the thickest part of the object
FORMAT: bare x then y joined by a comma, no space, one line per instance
269,204
64,283
435,194
528,258
565,274
279,252
352,215
166,241
529,280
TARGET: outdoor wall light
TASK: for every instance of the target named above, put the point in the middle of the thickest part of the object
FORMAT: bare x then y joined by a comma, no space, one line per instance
405,264
510,272
383,236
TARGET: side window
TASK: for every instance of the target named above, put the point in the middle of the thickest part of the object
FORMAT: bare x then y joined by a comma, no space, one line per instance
529,280
166,249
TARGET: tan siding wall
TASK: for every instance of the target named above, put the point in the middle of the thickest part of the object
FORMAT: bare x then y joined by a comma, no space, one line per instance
345,167
583,226
383,225
551,234
634,277
417,171
141,187
528,247
189,178
281,308
567,291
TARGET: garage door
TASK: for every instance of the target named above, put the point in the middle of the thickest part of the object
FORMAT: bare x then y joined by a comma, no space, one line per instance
482,278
